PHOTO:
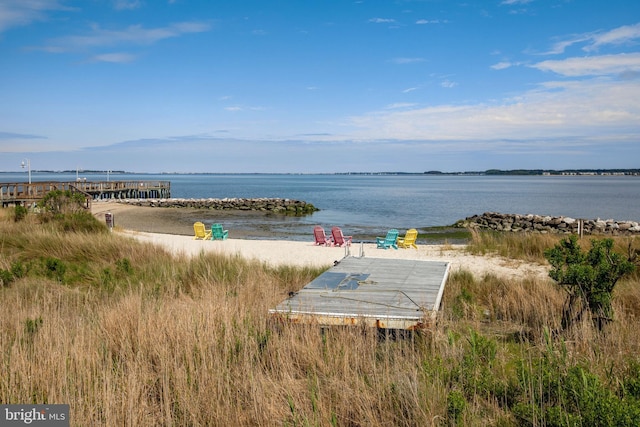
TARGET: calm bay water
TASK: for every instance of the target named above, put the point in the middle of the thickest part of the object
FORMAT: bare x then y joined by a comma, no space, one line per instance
371,204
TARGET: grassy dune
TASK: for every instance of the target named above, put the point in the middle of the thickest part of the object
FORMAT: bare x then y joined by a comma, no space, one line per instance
128,334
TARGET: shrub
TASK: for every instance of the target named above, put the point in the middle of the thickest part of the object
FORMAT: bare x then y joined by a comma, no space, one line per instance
62,202
587,277
5,278
67,210
80,222
456,404
17,269
19,213
55,268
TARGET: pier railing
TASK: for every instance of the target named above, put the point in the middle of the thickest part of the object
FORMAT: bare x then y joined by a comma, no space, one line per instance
23,193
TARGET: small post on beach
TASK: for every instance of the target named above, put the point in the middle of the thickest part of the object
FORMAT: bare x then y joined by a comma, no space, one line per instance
361,249
108,217
580,227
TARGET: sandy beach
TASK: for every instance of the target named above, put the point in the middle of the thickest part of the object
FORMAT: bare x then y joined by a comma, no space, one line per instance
173,230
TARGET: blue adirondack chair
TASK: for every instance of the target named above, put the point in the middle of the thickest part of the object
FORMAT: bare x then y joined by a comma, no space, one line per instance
389,241
218,233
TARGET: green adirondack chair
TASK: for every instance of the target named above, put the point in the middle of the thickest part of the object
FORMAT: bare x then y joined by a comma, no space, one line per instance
389,241
218,233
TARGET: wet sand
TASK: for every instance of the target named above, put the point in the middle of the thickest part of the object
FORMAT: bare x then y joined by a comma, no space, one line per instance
179,221
172,228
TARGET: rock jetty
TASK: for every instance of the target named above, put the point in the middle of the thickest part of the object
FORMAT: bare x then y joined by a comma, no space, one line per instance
284,206
549,224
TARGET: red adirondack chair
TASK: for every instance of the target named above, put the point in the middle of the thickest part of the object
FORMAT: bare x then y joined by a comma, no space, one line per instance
321,237
339,239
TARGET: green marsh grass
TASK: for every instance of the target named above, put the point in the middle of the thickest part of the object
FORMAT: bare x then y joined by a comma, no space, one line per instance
129,334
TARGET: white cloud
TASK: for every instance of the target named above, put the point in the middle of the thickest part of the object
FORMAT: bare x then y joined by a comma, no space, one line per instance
114,57
242,108
382,20
594,41
448,84
15,13
430,21
132,35
592,65
399,105
501,65
407,60
127,4
561,46
620,35
591,109
512,2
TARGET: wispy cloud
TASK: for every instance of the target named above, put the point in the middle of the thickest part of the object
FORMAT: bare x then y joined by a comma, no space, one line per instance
406,60
431,21
595,40
595,109
617,36
399,105
501,65
16,13
561,46
592,65
512,2
114,57
127,4
243,108
11,135
382,20
132,35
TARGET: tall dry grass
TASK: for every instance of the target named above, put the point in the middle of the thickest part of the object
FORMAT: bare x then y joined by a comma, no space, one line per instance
525,246
129,335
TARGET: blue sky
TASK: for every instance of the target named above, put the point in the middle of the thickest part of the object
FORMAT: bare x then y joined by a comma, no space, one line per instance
319,86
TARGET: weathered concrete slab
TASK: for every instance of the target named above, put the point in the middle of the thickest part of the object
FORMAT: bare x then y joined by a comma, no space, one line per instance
383,293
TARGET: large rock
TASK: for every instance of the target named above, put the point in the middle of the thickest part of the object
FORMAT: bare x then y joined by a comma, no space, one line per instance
548,224
286,206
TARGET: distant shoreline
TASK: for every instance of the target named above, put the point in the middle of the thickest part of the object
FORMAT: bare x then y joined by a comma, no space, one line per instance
488,172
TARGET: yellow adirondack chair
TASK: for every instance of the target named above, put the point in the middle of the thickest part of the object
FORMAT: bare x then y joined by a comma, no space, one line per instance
409,240
200,231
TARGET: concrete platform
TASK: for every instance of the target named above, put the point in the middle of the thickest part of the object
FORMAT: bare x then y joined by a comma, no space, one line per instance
382,293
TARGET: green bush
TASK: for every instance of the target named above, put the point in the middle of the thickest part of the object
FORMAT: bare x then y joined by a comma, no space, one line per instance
18,269
554,392
80,222
587,277
62,202
456,405
19,213
55,268
6,277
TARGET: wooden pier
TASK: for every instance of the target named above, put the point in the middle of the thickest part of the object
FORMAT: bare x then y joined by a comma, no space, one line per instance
23,193
376,292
